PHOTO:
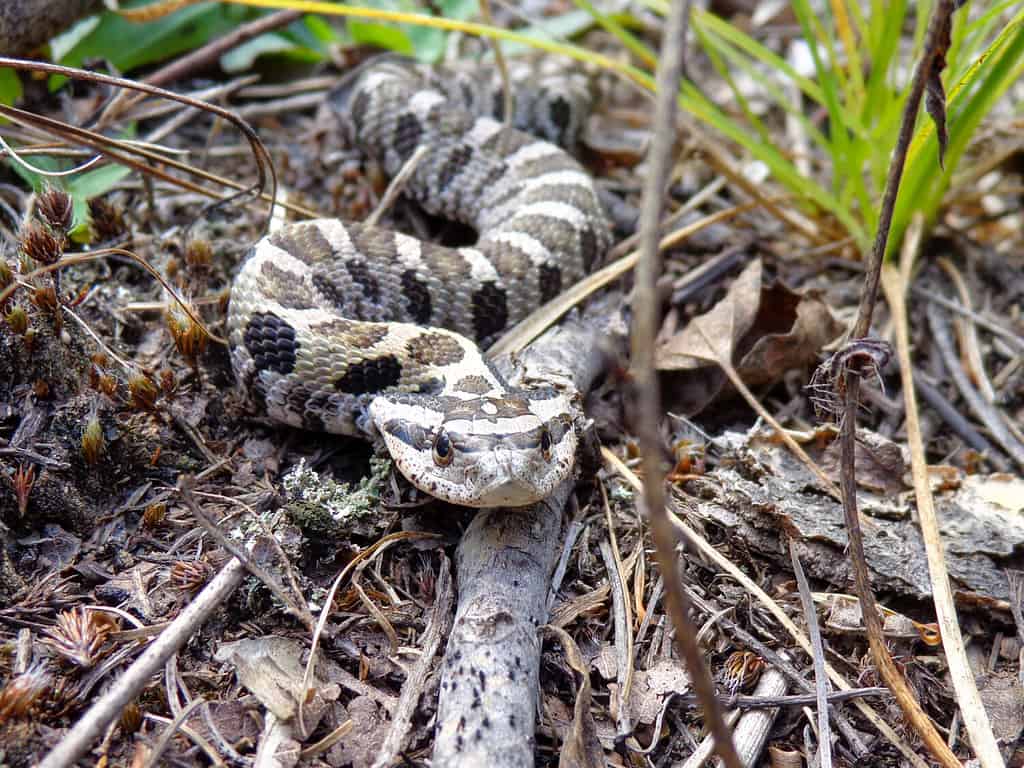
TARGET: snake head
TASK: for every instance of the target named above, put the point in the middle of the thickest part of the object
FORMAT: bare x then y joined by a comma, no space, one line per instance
488,451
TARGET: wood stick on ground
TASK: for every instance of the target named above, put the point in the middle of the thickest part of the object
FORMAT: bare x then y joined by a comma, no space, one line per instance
751,727
647,398
821,686
489,690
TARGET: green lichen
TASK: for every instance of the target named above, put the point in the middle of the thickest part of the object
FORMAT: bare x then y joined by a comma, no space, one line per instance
320,505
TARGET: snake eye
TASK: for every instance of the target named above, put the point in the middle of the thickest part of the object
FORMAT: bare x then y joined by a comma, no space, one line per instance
545,444
443,451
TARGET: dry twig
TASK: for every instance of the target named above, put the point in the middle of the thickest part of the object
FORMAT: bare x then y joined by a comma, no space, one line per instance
647,402
847,382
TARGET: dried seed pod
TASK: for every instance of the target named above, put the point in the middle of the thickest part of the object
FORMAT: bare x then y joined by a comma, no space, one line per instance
23,691
190,575
93,443
154,514
40,244
131,718
46,299
168,383
741,671
189,337
22,481
107,384
55,208
107,221
142,392
198,255
17,319
80,635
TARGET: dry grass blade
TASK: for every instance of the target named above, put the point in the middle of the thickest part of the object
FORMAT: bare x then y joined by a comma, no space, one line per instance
975,718
968,331
264,166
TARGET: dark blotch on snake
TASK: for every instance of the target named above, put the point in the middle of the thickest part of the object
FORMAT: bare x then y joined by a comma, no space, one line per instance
370,375
473,384
409,433
329,290
271,342
456,162
588,248
561,117
490,310
307,402
359,271
549,279
407,134
357,112
417,297
434,349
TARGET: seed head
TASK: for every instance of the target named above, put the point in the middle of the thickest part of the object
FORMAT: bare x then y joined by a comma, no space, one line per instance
22,481
40,244
107,222
22,692
142,392
190,575
80,635
198,255
54,207
93,442
154,514
131,718
17,319
189,337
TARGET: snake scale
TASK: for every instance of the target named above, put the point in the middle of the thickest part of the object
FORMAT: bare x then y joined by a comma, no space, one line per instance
351,329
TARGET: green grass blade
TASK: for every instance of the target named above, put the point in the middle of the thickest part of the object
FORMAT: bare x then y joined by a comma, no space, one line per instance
838,118
718,62
624,36
772,89
743,42
782,169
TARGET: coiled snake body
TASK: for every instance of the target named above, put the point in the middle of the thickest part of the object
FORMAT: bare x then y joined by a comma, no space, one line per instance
351,329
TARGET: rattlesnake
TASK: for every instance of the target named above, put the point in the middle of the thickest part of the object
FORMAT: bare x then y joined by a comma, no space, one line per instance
352,329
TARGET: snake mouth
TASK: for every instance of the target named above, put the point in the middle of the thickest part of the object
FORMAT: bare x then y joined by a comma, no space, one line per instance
512,492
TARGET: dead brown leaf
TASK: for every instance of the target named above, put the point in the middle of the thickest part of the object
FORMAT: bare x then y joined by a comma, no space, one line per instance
762,330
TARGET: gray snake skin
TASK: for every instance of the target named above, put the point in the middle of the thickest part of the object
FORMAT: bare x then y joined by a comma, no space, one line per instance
341,327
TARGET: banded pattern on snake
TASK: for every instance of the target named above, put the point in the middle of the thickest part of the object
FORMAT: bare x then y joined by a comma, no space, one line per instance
351,329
